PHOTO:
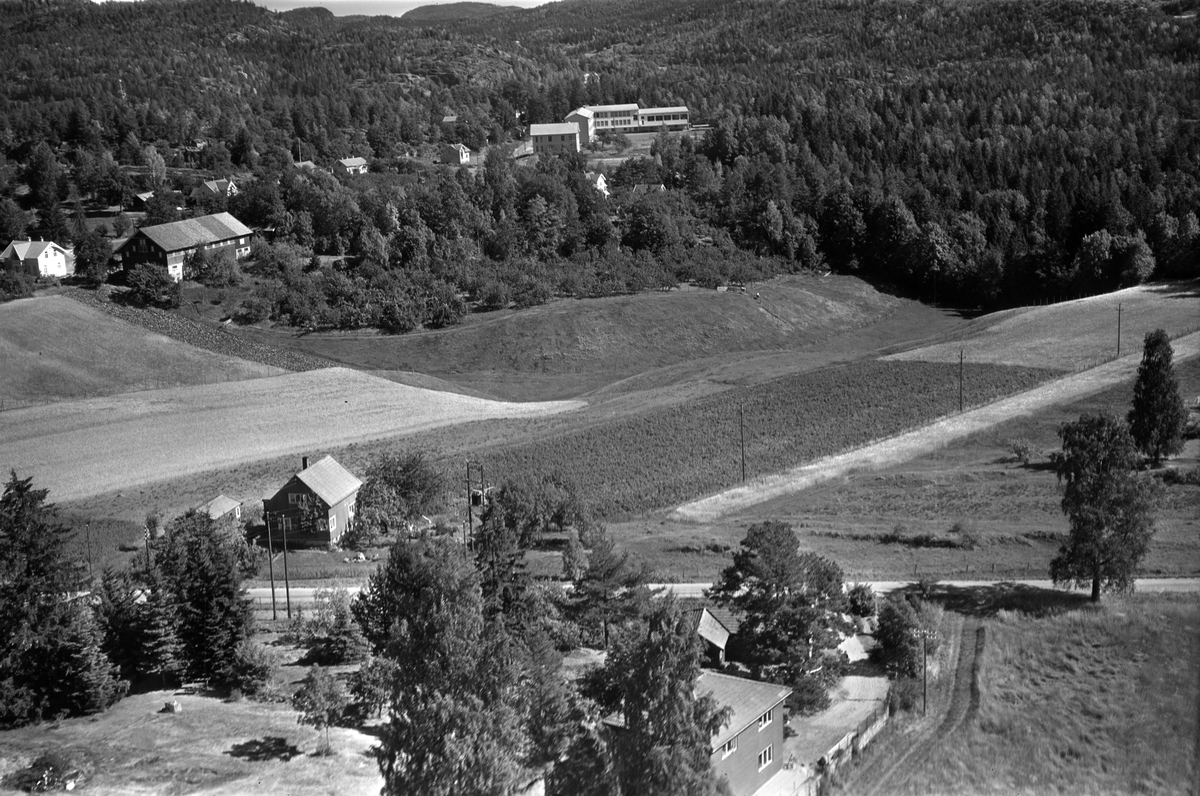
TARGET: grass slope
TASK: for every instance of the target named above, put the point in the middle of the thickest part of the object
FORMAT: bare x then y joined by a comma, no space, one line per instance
569,348
1096,701
52,348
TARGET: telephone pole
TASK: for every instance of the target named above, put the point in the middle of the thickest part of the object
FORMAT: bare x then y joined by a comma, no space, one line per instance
960,381
287,586
271,567
91,575
1118,330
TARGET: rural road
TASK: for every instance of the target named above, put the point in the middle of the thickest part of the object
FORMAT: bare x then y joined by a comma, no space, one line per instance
926,439
304,595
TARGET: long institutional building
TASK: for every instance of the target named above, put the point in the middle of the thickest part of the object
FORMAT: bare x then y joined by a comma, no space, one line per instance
589,120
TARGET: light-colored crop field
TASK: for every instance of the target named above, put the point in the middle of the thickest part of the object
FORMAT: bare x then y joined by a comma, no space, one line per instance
53,348
82,448
1074,335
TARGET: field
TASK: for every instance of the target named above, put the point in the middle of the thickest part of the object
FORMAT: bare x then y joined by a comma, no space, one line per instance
973,482
53,348
1097,700
656,459
119,442
570,348
1074,335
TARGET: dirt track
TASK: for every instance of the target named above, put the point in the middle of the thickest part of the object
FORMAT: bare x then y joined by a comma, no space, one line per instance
890,771
920,441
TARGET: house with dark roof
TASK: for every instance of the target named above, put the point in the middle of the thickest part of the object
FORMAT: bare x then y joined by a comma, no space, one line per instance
38,258
455,154
352,166
220,508
748,750
168,245
316,506
214,189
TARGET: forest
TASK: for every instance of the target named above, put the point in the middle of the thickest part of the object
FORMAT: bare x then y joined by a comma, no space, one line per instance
978,155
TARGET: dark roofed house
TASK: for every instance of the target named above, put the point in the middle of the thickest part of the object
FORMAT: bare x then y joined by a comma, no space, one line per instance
316,506
748,750
221,507
214,189
170,244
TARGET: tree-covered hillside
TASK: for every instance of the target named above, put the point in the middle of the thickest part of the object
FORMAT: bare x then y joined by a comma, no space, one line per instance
979,153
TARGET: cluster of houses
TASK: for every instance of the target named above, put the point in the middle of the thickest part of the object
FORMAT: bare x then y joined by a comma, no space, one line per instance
583,124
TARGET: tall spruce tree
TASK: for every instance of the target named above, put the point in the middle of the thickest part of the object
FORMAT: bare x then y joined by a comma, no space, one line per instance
161,652
1158,416
51,661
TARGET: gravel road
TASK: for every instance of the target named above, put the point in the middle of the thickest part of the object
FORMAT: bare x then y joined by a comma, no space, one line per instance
918,442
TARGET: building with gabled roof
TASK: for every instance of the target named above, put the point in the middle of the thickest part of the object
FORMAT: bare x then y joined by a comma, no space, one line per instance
221,507
585,118
353,165
316,506
748,750
554,138
38,258
214,189
455,154
168,245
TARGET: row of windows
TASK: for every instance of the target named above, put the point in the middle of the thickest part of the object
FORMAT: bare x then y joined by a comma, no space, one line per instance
766,756
766,718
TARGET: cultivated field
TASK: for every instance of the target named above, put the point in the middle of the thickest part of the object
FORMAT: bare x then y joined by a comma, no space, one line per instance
116,443
1073,335
1100,701
53,348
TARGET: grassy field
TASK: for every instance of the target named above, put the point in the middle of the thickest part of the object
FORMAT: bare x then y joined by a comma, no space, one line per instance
120,442
1073,335
1096,700
975,482
568,348
52,348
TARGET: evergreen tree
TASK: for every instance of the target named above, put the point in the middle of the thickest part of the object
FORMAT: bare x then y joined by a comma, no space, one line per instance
611,589
1158,416
161,653
51,661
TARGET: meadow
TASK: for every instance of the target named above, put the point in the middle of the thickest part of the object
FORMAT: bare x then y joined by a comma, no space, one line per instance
1097,700
53,349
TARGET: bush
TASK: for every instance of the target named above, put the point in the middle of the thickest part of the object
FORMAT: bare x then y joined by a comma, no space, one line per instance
899,649
862,599
52,770
1021,450
904,695
14,285
151,284
331,635
253,668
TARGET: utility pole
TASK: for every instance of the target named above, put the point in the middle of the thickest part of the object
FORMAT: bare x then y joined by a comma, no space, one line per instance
960,380
91,575
742,427
271,567
287,586
925,673
149,563
1118,330
482,491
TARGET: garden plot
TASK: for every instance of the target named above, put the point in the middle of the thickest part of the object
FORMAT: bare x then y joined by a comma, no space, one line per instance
82,448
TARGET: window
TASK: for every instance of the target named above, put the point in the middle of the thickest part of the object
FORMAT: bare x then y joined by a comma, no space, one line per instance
766,718
350,510
293,498
287,524
333,522
729,748
765,757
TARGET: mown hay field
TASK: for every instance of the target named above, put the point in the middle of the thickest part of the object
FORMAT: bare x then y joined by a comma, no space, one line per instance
100,445
656,459
1074,335
1099,700
53,348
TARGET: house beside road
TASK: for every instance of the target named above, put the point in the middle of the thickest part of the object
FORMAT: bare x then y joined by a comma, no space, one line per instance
315,507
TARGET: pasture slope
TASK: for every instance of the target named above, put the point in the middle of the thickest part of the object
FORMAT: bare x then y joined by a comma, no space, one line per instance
53,348
1084,328
101,445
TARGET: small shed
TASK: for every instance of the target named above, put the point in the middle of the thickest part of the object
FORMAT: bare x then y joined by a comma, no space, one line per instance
221,507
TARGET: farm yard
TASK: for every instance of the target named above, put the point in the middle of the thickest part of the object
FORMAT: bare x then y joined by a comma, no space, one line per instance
119,442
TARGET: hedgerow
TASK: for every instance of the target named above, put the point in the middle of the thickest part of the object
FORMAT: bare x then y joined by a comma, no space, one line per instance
667,456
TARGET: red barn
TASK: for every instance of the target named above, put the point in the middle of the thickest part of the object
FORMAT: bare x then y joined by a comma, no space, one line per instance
316,506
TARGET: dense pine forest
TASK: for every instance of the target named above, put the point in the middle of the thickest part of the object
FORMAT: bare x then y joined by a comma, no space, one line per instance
969,153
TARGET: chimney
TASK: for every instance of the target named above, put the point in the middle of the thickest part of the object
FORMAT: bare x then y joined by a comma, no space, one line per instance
304,463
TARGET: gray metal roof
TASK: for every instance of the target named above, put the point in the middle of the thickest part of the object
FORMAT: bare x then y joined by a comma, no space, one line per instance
329,481
194,232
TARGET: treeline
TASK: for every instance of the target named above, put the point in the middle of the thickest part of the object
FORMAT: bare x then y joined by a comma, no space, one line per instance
976,154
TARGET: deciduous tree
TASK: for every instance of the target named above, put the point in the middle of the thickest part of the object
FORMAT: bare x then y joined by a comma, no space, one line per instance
1110,508
321,701
1158,416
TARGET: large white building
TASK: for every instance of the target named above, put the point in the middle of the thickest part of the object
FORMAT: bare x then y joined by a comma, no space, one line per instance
554,138
627,118
38,258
